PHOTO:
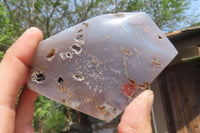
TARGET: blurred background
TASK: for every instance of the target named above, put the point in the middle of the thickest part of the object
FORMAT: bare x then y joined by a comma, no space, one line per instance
177,18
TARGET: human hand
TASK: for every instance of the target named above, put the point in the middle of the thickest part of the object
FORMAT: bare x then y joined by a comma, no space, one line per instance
14,71
136,117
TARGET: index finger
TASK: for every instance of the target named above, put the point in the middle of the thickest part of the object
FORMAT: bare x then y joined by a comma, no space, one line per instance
15,65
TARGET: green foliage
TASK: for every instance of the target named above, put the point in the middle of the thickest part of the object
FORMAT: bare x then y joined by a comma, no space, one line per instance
1,55
49,116
3,32
9,32
165,13
196,24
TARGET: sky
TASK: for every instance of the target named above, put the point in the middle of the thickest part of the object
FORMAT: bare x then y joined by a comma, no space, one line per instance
193,13
193,16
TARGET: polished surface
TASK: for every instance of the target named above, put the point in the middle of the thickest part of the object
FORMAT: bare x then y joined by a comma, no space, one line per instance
98,66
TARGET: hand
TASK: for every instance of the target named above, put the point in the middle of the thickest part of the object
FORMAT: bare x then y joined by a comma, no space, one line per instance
14,71
136,117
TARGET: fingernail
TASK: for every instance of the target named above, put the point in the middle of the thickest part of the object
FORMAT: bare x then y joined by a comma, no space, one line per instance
31,29
150,101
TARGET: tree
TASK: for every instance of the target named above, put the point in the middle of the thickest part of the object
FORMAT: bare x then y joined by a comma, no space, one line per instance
7,34
50,116
165,13
50,16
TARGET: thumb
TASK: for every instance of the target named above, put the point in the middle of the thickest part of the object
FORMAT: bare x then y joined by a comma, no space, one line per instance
136,117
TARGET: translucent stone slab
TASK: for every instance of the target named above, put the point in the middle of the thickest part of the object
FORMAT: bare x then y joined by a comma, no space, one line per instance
98,66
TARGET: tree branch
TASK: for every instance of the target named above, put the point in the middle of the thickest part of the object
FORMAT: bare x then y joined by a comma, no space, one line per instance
7,6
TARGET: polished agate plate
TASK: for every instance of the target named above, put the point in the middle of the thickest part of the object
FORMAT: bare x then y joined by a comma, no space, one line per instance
98,66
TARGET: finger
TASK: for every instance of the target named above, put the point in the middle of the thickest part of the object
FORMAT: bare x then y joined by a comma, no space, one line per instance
136,117
7,117
14,66
13,71
24,111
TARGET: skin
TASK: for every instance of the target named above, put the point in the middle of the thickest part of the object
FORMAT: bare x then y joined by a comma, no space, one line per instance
14,71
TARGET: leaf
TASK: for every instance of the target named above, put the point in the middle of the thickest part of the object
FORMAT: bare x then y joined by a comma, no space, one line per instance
1,54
